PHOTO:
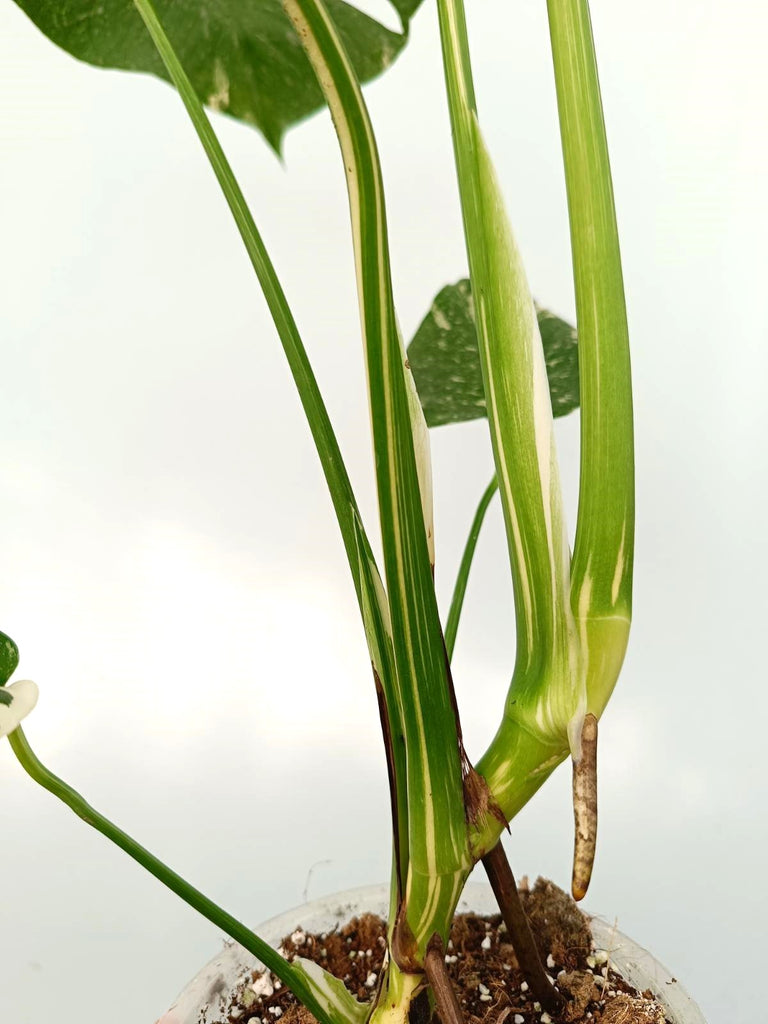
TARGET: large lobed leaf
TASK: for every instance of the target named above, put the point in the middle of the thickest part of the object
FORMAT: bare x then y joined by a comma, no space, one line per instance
446,363
242,56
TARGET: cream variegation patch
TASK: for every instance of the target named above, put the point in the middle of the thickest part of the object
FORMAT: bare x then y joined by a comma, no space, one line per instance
23,694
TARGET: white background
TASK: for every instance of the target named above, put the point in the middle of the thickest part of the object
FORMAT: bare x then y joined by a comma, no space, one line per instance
170,564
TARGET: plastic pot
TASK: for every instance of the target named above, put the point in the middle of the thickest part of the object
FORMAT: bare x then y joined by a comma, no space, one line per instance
208,993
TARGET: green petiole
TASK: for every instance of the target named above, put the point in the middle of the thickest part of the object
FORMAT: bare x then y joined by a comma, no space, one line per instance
437,836
339,485
291,974
460,587
601,572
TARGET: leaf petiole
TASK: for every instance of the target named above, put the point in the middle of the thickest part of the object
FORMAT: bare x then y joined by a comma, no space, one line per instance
311,992
460,587
327,446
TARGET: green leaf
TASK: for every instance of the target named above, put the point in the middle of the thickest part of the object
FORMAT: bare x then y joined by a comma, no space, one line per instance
445,360
243,57
9,658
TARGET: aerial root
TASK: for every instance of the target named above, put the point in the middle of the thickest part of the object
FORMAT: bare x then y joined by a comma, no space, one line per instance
437,975
585,809
505,890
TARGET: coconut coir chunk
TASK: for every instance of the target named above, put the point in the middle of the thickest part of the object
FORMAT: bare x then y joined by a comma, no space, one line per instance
482,966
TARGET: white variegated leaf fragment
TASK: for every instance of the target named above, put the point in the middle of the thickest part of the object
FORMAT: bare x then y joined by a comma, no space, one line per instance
23,694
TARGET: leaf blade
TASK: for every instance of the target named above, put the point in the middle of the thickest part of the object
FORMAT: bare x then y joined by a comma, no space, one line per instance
9,658
243,58
445,360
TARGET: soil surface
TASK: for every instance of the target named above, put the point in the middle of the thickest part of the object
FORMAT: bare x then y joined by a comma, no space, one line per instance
482,966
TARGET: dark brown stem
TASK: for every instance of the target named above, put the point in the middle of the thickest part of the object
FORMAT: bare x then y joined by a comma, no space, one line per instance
437,976
505,890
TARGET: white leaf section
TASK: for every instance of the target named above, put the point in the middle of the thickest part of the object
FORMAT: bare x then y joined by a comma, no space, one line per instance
423,454
23,694
620,562
331,993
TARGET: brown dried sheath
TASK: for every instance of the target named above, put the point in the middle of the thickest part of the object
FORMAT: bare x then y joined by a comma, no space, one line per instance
585,809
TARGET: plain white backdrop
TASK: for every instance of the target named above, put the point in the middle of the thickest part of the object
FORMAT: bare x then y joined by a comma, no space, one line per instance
170,564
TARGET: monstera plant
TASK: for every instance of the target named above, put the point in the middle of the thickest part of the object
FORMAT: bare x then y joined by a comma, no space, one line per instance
484,349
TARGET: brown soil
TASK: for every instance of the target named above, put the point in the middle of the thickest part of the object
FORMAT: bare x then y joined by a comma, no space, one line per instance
482,966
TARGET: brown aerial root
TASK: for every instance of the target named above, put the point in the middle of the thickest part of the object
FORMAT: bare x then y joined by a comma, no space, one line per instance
446,999
585,809
505,890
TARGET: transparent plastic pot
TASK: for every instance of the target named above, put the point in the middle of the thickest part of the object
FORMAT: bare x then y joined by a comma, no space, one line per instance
208,994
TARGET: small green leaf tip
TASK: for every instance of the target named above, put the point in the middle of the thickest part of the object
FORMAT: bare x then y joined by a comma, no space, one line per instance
9,658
